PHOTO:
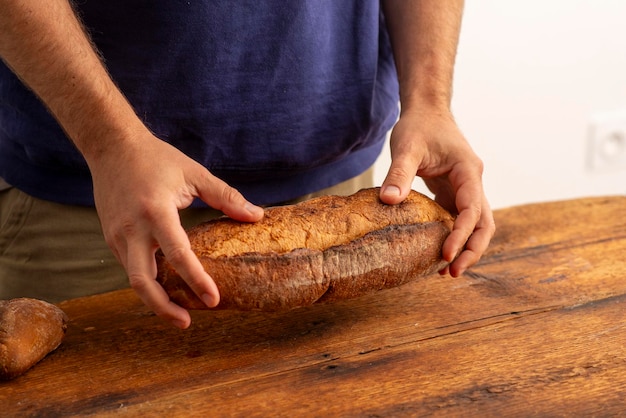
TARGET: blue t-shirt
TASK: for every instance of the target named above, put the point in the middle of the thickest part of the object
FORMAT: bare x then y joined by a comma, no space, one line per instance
277,98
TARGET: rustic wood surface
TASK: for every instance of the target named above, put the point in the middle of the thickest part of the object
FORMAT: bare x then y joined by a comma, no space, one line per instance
536,329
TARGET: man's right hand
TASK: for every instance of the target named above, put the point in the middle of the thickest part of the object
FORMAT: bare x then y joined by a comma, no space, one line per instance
138,191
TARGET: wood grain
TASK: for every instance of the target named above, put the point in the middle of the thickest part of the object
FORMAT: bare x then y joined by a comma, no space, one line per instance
536,329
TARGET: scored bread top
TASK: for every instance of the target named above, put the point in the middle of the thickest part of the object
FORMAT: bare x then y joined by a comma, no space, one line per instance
316,224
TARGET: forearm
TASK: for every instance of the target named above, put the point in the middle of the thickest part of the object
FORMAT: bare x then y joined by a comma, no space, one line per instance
45,45
424,36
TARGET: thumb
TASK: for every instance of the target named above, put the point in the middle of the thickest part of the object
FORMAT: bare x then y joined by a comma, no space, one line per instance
219,195
397,184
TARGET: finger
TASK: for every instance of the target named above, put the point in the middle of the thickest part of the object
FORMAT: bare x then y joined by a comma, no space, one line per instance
219,195
476,244
469,202
141,269
117,247
176,248
399,179
462,229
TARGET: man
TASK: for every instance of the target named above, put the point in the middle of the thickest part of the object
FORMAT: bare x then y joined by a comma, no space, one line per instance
229,105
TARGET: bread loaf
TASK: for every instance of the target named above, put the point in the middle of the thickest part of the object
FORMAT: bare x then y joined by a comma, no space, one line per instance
320,250
29,330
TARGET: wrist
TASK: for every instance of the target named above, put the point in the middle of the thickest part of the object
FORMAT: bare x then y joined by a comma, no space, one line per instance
431,103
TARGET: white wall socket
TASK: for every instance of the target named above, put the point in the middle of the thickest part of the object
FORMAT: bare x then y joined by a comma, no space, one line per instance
607,141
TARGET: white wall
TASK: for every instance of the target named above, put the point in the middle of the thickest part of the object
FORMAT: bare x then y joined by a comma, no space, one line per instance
529,77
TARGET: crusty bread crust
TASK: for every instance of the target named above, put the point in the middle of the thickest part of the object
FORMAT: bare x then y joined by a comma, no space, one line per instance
324,249
29,330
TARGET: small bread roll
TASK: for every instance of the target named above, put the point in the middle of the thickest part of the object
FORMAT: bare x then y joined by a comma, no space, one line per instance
29,330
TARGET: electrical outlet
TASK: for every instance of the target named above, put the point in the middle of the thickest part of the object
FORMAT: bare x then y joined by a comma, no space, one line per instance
607,141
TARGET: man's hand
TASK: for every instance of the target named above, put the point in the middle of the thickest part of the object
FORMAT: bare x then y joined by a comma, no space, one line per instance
426,141
138,192
430,145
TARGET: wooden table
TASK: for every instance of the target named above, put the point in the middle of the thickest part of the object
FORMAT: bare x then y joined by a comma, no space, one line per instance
538,328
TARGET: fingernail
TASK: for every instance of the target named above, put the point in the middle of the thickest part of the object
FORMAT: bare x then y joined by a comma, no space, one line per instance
179,324
392,191
253,209
208,300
